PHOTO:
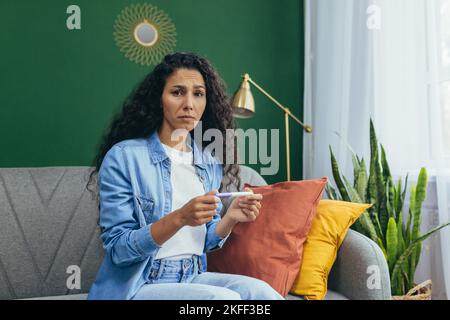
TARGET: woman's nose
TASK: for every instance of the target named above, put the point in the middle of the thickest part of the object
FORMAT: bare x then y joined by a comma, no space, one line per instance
189,102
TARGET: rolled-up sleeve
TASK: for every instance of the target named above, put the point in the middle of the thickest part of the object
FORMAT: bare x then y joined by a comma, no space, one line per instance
124,240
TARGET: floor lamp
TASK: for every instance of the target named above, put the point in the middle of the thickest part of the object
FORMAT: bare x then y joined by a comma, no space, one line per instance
244,107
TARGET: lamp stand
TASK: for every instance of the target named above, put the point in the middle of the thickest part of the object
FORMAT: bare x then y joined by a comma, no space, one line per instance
244,107
287,114
288,155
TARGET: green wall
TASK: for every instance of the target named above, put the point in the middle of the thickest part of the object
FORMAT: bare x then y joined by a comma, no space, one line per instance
59,87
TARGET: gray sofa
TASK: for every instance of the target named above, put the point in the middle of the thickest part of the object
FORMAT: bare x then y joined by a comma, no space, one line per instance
50,246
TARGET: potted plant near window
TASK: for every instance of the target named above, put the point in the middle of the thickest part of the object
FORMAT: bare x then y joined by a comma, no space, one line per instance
398,236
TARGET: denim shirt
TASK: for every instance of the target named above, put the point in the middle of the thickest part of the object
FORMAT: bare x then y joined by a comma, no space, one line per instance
135,191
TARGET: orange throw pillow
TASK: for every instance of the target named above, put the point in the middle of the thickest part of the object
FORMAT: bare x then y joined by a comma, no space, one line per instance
271,247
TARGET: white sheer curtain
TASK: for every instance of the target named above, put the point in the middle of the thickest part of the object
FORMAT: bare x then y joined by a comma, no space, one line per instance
388,60
438,17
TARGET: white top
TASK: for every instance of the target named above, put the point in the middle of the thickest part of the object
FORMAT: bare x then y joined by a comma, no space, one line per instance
185,186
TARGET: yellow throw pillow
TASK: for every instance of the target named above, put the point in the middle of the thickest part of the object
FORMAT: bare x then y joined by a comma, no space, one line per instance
329,228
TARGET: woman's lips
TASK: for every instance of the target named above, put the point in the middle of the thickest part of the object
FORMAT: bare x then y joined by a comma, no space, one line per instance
187,118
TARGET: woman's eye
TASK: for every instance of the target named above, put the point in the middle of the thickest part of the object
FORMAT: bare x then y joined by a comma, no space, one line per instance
176,93
199,94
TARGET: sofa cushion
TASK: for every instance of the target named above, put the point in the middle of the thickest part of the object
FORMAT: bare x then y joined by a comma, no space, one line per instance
81,296
331,295
49,232
329,228
270,248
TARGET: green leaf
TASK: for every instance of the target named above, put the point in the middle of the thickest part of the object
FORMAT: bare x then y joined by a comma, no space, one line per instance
402,198
411,211
364,221
397,200
368,226
392,243
352,193
357,227
404,256
361,181
376,223
377,191
421,189
390,203
331,193
400,237
337,177
405,283
387,177
356,168
419,197
372,193
386,171
380,244
355,159
415,260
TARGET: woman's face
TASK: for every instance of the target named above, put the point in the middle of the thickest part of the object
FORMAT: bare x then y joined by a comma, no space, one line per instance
183,99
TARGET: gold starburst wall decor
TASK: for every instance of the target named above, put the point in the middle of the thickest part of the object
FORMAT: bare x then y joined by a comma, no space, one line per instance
144,33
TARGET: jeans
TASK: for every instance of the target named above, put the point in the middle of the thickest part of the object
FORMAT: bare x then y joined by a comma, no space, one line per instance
182,280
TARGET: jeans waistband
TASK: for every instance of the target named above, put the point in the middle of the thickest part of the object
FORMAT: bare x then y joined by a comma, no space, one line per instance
184,266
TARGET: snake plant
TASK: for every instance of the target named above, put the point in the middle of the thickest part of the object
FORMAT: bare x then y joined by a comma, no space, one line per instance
399,238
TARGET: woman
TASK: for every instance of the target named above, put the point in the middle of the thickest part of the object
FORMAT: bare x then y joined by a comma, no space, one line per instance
159,215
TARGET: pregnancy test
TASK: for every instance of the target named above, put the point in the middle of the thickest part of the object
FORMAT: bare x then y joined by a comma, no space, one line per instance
233,194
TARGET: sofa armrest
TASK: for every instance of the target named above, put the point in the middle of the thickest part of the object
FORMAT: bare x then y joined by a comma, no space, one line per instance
360,271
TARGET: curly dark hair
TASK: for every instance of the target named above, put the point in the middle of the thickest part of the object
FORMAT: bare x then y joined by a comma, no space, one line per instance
142,113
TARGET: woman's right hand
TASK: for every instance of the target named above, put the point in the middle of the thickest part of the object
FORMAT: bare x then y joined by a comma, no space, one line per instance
199,210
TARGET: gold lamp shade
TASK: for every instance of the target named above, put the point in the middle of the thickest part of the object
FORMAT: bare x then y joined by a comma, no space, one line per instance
243,102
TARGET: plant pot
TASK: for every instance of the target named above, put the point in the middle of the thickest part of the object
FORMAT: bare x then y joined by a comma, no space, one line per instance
421,291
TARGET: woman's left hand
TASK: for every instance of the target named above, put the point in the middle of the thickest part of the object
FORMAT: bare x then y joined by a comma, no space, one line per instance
246,208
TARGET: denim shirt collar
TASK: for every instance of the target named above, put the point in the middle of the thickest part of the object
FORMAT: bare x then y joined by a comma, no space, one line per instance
158,154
